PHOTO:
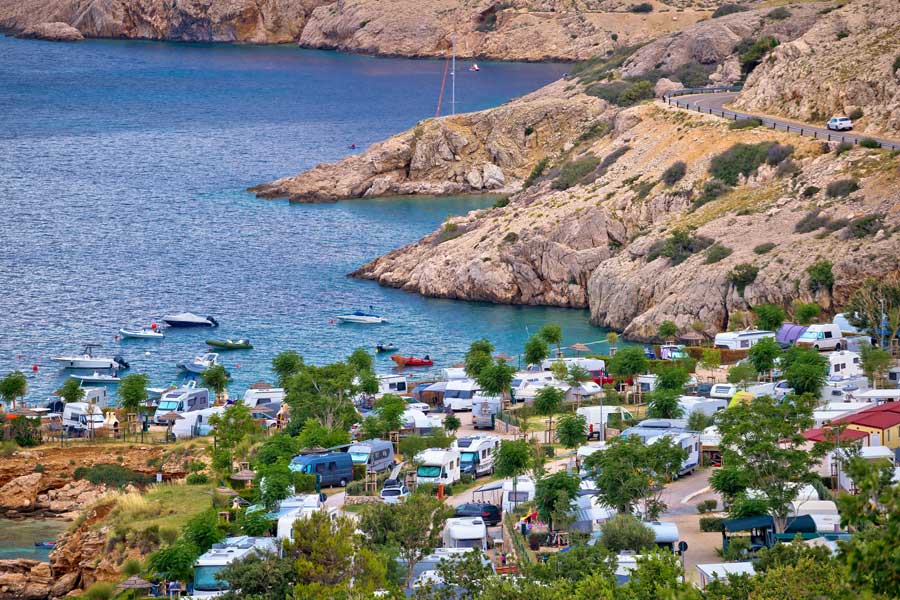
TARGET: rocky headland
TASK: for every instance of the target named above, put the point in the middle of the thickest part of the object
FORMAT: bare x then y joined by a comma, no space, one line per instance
52,32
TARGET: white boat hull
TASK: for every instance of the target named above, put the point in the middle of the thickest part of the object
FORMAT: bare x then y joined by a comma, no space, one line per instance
71,362
96,378
363,320
141,334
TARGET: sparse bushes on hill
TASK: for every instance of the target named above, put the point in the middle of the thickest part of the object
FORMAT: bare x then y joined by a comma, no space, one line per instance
693,74
869,143
674,173
643,7
749,123
778,14
601,67
764,248
740,159
810,191
842,148
778,152
501,202
841,188
743,275
856,114
896,66
537,171
623,92
728,9
865,226
712,189
572,172
449,232
678,247
751,52
787,168
111,475
716,253
821,276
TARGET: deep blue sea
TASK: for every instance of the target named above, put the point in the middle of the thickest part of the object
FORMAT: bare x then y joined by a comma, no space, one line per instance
123,167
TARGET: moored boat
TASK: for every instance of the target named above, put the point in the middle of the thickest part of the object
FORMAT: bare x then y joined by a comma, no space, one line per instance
87,360
144,333
412,361
201,363
241,344
187,319
361,317
388,347
96,377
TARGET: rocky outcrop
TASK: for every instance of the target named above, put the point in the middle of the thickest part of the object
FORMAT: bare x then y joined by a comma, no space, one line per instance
79,558
487,151
846,62
39,493
52,32
25,579
21,493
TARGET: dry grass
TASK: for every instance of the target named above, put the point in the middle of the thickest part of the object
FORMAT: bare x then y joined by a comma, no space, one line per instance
165,505
740,200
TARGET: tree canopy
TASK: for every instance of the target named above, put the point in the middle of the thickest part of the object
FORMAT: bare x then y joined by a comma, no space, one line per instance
536,350
628,362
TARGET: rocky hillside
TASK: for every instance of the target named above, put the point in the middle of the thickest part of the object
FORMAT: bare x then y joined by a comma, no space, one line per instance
849,62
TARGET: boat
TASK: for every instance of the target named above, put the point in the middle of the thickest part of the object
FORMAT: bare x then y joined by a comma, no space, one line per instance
187,319
144,333
201,363
361,317
45,545
412,361
96,377
380,347
241,344
475,67
87,360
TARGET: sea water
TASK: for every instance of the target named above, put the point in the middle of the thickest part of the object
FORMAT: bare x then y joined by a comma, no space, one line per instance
123,169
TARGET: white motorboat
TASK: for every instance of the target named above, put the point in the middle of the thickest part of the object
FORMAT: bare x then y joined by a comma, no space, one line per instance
87,360
144,333
187,319
201,363
361,317
97,378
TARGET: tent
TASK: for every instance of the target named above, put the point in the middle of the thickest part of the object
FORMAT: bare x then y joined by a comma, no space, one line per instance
789,333
744,397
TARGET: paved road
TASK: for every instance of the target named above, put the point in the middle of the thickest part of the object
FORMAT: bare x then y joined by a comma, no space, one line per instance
714,103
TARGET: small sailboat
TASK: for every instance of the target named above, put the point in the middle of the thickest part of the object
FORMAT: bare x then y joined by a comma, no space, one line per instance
361,317
144,333
241,344
97,377
412,361
474,67
386,347
201,363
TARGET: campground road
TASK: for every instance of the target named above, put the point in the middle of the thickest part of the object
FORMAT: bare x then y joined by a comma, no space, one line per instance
714,103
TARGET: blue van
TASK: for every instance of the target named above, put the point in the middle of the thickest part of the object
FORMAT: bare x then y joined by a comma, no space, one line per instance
331,469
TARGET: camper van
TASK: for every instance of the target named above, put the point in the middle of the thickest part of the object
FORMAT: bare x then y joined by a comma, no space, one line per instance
484,411
465,532
263,398
298,507
689,441
437,465
741,340
195,423
392,384
826,336
79,417
476,454
222,554
598,416
181,400
459,394
330,468
646,383
376,455
524,491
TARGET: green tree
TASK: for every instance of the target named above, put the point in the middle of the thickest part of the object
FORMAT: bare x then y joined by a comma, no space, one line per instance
274,482
175,562
711,359
741,374
667,330
478,357
12,387
821,277
874,299
630,361
279,446
26,431
571,431
452,423
664,404
536,350
805,370
231,426
514,457
495,379
769,317
71,391
316,435
258,576
361,360
133,392
697,421
612,338
874,361
326,393
285,365
575,376
764,438
762,355
553,496
388,417
729,481
625,532
672,377
216,379
552,334
806,312
547,402
203,530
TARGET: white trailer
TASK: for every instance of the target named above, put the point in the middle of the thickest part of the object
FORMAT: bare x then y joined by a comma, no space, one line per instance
81,417
741,340
476,454
437,465
263,397
689,441
598,416
222,554
181,400
823,512
465,532
195,423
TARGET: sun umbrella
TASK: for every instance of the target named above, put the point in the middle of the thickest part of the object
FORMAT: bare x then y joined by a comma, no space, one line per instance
134,583
579,347
170,416
244,475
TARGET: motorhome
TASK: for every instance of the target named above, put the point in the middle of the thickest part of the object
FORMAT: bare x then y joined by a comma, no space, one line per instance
195,423
690,442
465,532
476,454
330,468
426,571
597,417
590,513
298,507
826,336
222,554
741,340
261,398
376,455
484,411
645,383
594,366
523,492
459,394
392,384
437,465
81,417
181,400
844,364
537,379
96,395
723,391
704,406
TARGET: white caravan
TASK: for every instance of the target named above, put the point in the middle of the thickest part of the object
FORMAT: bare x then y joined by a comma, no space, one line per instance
844,364
705,406
741,340
392,384
181,400
298,507
196,423
476,454
524,491
437,465
256,398
465,532
459,394
598,416
220,555
823,512
591,365
81,417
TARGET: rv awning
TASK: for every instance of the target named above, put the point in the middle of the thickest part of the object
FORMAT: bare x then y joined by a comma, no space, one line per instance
878,394
440,386
489,487
748,523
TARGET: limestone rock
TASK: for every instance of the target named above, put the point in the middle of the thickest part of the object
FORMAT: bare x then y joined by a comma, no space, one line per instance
24,579
53,32
664,86
21,493
493,176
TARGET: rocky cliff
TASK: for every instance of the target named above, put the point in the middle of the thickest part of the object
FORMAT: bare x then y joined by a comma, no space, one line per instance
849,61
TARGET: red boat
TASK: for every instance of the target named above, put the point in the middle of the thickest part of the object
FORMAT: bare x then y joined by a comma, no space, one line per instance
412,361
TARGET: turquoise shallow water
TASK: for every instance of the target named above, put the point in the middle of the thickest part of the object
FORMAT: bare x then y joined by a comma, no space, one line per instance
18,536
124,166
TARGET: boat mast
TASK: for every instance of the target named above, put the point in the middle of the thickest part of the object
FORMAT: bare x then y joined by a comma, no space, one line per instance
453,78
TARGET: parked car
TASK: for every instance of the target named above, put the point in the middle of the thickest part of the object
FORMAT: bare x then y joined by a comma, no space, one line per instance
839,124
394,492
424,407
490,513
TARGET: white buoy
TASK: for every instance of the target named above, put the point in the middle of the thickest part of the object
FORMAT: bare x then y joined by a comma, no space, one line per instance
147,353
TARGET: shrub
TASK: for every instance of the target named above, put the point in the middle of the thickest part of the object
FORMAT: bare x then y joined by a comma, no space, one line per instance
778,152
601,67
740,159
529,130
810,191
572,172
674,173
610,159
8,448
101,590
707,506
197,479
810,222
450,231
625,532
711,524
842,148
748,123
806,312
501,202
769,317
787,168
743,275
110,475
728,9
304,483
536,172
643,7
636,92
712,189
26,431
856,114
611,92
869,143
821,276
779,14
841,188
131,567
842,34
511,238
716,253
764,248
693,74
866,226
678,247
39,468
896,66
751,52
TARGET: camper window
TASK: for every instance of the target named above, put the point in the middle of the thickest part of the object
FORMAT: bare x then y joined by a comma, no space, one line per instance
359,458
320,468
205,579
332,466
745,343
468,457
428,471
827,335
470,543
517,496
